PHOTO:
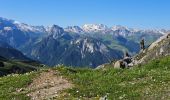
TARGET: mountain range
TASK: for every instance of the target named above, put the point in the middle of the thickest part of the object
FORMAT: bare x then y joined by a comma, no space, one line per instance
89,45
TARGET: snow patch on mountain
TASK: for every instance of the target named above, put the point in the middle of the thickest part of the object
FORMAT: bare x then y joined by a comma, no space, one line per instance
88,46
118,27
94,27
12,24
74,29
103,48
29,28
55,31
7,28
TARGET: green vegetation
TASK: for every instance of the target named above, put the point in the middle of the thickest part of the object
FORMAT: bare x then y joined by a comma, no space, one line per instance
11,83
151,81
16,66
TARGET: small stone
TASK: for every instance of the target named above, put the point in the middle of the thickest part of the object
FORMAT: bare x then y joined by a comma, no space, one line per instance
20,90
38,91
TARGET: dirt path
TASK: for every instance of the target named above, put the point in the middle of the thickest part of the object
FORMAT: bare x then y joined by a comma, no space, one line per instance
48,85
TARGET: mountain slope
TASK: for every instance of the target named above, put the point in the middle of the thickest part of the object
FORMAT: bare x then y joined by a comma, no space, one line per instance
15,66
9,52
13,61
34,40
17,34
157,49
113,36
71,51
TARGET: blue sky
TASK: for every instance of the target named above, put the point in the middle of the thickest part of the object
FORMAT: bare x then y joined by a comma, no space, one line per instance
131,13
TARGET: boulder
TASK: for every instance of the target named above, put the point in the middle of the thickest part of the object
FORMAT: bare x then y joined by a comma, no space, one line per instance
117,64
120,64
127,60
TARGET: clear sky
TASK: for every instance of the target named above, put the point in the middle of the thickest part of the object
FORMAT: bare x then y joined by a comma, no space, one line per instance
131,13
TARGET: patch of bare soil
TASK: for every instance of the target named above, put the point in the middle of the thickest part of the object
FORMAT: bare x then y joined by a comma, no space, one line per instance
48,85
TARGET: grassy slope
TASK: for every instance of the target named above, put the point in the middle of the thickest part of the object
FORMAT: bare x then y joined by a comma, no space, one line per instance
14,66
144,82
147,82
9,84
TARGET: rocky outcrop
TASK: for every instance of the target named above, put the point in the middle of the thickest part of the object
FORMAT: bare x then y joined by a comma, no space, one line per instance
157,49
123,63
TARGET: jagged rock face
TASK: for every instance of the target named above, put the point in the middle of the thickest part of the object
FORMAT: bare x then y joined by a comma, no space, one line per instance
14,37
74,29
157,49
18,34
122,31
55,31
89,45
80,52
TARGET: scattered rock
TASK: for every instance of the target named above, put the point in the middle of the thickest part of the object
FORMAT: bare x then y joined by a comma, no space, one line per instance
20,90
124,63
117,64
104,98
120,64
104,66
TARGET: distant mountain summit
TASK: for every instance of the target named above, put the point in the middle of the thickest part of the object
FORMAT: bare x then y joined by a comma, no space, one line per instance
55,31
89,45
74,29
94,27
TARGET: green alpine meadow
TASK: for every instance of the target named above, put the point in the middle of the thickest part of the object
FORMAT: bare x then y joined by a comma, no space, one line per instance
149,81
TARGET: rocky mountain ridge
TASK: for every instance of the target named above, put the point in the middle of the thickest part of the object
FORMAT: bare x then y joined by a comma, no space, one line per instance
79,46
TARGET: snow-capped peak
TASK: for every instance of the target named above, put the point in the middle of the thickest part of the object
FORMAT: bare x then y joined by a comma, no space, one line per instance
74,29
16,22
119,27
29,28
13,24
7,28
94,27
54,29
